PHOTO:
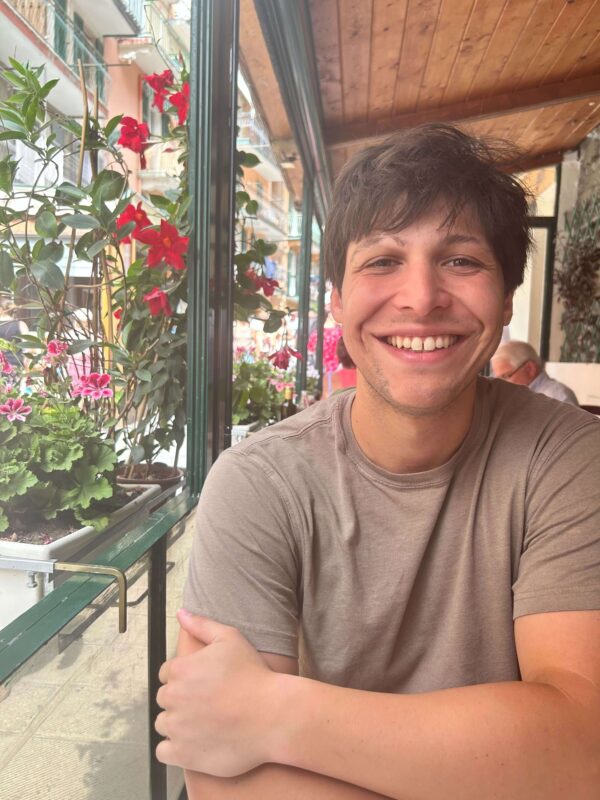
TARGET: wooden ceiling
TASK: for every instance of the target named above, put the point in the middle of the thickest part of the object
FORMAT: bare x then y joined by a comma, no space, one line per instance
525,70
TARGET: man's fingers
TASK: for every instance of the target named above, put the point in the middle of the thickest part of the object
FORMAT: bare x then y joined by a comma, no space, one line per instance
165,753
160,724
204,629
163,673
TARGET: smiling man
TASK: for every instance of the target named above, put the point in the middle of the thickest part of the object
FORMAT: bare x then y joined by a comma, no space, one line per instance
417,562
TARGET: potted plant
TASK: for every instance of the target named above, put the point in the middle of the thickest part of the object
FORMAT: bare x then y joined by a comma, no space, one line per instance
132,328
57,471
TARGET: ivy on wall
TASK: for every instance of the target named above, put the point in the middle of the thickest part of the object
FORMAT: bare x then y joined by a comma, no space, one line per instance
577,279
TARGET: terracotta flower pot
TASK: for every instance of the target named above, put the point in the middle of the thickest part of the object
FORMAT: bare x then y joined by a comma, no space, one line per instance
158,473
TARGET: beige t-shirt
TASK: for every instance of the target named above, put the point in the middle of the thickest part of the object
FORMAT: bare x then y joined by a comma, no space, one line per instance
402,583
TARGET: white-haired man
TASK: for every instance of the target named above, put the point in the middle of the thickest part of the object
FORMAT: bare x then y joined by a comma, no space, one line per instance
519,363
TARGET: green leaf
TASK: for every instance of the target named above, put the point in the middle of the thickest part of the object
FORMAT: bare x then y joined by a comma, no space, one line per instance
87,487
252,208
160,202
82,222
272,324
80,345
137,454
69,191
143,374
98,247
15,479
3,521
46,225
7,273
48,274
47,88
59,454
107,186
54,251
242,197
125,230
6,136
6,176
112,124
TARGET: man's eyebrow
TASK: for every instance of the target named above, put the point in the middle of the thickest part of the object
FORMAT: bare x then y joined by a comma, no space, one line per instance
450,239
375,239
463,238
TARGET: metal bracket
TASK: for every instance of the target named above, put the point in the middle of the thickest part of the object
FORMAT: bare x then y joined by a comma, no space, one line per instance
94,569
32,566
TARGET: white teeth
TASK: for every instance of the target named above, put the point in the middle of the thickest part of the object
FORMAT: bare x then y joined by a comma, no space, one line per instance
418,343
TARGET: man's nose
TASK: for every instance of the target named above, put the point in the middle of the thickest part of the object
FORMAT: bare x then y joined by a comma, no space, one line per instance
421,288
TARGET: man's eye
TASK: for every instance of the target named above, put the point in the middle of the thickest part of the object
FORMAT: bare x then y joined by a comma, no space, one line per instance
382,262
460,262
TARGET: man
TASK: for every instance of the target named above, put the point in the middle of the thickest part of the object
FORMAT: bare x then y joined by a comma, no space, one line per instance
417,562
518,363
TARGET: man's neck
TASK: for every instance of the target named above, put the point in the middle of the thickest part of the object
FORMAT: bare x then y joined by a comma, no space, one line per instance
401,442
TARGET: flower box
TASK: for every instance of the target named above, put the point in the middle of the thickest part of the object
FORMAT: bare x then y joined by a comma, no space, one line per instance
20,590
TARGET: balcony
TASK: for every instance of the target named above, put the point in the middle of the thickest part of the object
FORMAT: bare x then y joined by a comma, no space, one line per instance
47,28
114,17
161,44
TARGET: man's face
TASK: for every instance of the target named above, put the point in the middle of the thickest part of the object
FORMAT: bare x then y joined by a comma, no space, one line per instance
422,311
503,368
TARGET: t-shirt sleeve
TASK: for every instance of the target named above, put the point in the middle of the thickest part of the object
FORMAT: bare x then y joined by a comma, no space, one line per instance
243,567
559,568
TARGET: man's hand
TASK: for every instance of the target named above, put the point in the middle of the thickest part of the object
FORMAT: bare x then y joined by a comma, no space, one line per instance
217,703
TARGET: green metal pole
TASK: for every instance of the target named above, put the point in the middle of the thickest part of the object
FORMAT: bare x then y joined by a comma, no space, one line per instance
304,282
214,43
320,316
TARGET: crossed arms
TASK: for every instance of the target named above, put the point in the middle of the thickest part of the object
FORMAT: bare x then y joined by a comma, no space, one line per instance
267,734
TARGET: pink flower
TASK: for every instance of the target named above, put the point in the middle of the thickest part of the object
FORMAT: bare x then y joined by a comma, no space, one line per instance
330,339
56,348
5,366
281,358
93,385
158,303
14,409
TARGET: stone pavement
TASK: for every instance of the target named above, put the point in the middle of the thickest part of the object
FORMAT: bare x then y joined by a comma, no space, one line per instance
73,720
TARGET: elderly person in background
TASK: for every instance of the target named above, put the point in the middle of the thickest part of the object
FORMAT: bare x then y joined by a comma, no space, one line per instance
518,362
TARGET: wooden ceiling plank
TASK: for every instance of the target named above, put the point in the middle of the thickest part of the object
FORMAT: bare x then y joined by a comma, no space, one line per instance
576,124
326,37
576,138
451,27
500,46
522,61
355,17
420,22
498,105
575,56
558,39
480,29
389,18
532,133
259,71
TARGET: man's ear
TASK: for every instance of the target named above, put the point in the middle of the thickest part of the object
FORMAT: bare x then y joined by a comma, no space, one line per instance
507,310
336,305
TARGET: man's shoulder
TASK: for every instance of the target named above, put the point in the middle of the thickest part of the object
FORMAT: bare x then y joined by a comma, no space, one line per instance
316,428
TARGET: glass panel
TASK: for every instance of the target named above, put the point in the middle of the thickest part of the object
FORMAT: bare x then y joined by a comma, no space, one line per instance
542,184
313,368
526,324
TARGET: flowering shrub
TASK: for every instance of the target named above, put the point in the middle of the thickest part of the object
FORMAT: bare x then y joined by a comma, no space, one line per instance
257,389
53,459
132,334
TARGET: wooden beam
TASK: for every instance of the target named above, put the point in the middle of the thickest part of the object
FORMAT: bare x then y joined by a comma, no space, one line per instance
483,108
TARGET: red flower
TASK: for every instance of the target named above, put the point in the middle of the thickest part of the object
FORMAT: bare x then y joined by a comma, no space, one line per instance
160,82
14,409
281,358
5,365
181,101
118,314
268,285
165,245
158,303
133,214
93,385
134,136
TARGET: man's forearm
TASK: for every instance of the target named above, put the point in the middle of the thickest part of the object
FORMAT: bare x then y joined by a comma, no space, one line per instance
274,782
509,741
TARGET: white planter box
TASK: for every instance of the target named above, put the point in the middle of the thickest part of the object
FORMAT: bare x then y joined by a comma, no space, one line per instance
240,432
20,590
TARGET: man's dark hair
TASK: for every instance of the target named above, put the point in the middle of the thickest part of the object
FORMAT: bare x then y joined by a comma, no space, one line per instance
390,185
